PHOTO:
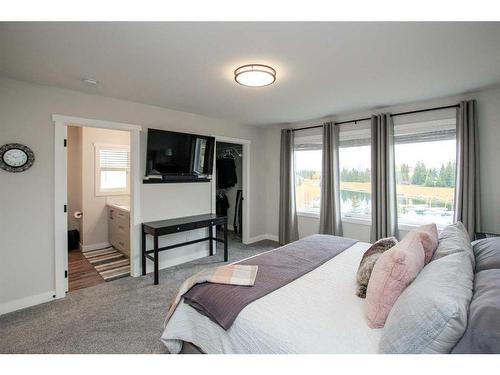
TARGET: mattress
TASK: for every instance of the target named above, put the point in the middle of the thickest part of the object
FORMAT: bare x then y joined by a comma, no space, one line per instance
317,313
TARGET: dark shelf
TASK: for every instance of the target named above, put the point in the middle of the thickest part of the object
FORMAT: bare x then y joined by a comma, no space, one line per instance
176,180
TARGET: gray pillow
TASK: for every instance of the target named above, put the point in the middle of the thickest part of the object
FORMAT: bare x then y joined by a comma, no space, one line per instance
483,327
453,239
430,316
487,253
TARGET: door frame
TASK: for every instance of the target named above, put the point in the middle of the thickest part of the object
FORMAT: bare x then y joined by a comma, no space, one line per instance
246,182
61,123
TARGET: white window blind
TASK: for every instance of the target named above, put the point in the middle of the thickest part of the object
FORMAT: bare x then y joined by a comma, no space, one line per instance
308,139
112,159
112,166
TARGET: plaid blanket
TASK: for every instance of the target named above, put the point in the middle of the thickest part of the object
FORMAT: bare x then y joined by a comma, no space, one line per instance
232,274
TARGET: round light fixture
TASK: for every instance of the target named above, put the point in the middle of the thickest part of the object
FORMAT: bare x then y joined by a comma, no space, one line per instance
90,81
255,75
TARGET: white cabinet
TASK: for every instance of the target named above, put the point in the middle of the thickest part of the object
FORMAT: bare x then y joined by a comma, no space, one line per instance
119,229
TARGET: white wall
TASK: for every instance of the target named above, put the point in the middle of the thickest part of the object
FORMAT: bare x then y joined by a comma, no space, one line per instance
488,102
95,213
27,202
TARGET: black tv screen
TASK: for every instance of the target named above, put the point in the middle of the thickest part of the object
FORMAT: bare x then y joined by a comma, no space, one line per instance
173,153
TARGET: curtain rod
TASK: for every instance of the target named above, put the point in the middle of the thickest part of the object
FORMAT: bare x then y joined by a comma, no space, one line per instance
392,115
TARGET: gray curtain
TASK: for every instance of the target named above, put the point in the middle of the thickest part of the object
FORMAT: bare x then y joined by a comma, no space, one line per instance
467,194
384,214
330,221
288,230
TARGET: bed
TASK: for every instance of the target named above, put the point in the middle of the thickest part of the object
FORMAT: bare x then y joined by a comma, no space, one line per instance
316,313
452,306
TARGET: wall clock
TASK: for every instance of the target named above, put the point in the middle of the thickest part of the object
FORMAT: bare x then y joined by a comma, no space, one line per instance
15,157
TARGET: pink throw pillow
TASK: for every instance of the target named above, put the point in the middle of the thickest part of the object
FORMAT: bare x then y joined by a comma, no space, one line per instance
393,272
429,237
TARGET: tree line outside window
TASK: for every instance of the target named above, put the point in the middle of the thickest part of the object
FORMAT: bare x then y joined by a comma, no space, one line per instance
422,175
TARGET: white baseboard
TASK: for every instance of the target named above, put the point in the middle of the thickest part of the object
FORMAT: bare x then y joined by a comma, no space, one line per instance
262,237
95,246
22,303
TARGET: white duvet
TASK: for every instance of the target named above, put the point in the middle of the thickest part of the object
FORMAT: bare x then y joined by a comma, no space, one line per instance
317,313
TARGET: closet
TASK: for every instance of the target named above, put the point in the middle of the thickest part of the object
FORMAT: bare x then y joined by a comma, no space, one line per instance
229,195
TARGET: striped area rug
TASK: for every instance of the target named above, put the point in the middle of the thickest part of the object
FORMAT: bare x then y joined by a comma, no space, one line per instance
109,262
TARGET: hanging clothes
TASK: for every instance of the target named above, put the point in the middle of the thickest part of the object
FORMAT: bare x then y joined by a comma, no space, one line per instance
221,204
226,173
238,218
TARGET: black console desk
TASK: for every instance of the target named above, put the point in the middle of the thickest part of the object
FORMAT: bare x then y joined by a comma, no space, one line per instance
181,224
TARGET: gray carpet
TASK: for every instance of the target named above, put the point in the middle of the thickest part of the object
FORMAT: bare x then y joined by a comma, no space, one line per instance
122,316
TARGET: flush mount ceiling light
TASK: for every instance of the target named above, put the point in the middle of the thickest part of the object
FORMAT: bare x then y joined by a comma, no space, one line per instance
90,81
255,75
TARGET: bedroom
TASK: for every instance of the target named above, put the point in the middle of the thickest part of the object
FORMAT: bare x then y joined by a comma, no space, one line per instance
340,135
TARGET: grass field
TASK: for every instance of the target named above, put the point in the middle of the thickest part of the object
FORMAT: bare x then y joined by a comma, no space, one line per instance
310,189
414,191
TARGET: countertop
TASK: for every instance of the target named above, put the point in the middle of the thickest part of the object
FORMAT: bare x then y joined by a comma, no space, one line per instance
119,206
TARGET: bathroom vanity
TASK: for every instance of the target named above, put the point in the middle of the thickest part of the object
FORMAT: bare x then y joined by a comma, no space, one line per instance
119,227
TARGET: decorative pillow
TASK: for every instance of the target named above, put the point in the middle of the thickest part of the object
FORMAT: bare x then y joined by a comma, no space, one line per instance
393,272
368,261
430,316
429,237
453,239
487,253
483,328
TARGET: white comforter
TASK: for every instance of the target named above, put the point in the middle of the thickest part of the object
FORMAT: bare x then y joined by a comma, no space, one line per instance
317,313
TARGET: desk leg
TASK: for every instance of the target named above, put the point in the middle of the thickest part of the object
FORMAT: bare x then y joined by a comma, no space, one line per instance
156,259
225,242
211,235
143,253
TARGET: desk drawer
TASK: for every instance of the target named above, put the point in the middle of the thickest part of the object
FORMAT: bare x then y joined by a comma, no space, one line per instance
181,228
184,227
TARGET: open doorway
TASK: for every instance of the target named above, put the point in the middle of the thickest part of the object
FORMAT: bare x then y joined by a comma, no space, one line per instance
98,205
229,184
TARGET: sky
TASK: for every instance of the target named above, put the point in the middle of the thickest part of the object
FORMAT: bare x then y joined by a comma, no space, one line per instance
433,154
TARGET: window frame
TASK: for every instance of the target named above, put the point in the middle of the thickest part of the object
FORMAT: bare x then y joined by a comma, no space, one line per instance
99,191
353,133
314,213
414,127
308,140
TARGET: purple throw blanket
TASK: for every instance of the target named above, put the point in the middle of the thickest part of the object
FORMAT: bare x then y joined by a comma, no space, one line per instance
277,268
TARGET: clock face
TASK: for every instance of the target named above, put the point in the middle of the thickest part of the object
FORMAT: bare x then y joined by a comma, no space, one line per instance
15,157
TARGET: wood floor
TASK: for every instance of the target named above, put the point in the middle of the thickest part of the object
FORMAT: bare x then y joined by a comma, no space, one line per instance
81,273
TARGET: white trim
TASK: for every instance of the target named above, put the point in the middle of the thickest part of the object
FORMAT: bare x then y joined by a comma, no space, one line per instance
262,237
360,221
356,220
25,302
246,182
95,246
60,217
411,226
92,123
60,193
313,215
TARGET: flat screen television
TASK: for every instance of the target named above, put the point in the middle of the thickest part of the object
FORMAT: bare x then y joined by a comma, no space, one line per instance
179,154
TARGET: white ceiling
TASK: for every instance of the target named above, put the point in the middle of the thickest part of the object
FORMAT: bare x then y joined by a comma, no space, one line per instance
322,68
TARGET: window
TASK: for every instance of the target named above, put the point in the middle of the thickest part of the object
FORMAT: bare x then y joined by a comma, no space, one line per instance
112,170
425,158
308,146
355,170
